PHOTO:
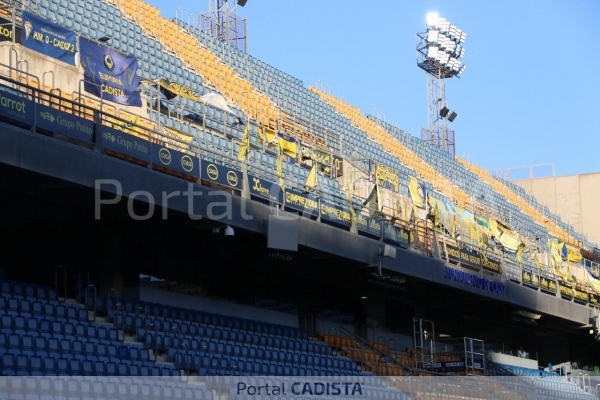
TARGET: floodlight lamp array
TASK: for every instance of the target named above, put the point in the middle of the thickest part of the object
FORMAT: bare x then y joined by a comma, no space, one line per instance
441,47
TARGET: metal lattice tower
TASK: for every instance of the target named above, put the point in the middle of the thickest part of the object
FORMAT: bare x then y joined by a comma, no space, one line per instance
439,53
223,22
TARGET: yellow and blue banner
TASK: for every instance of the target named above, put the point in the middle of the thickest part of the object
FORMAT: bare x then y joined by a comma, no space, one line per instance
109,74
386,177
171,89
288,146
48,38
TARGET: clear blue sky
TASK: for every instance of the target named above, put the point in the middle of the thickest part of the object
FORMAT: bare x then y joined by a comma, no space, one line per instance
529,94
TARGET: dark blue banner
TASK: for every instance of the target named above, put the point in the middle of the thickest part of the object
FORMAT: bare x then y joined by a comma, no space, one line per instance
303,202
16,108
368,225
264,189
124,143
335,214
6,31
48,38
175,160
109,74
217,173
396,235
70,125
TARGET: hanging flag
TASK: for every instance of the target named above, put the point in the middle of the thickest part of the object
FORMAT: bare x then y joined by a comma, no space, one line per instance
434,213
268,136
350,205
373,203
417,192
306,152
279,167
217,101
563,251
555,252
244,152
311,180
520,252
109,74
46,37
398,209
288,146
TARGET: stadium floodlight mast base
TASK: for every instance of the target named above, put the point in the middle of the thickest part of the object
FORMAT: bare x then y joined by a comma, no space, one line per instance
439,53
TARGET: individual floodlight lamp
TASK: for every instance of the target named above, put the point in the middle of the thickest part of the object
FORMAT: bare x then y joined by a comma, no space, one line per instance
432,52
443,58
453,31
432,18
452,116
433,36
444,25
459,52
454,64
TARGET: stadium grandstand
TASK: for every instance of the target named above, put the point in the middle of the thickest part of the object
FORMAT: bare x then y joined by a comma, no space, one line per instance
176,227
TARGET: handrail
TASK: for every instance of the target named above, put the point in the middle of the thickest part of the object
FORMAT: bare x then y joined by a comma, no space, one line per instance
121,307
64,269
95,297
135,324
79,285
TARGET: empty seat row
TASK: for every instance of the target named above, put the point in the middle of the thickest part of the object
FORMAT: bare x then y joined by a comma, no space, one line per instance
107,305
57,327
28,306
34,291
236,337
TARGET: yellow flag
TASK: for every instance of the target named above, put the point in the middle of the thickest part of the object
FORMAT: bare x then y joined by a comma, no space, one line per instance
311,180
279,167
520,251
373,203
244,152
398,209
269,136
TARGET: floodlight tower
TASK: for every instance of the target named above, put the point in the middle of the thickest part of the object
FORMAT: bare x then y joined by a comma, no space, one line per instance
439,51
223,22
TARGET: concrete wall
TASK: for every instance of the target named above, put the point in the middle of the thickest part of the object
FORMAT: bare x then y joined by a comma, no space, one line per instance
575,198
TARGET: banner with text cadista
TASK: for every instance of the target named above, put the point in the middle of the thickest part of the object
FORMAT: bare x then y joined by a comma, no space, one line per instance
109,74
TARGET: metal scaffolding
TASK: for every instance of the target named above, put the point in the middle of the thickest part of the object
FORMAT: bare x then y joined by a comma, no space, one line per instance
223,22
